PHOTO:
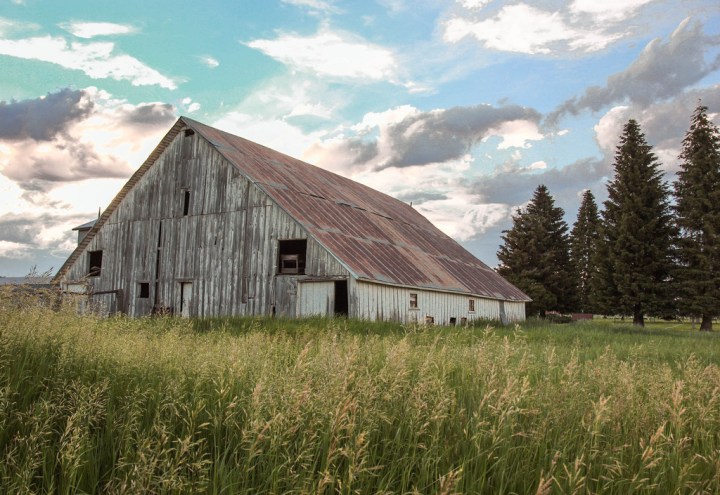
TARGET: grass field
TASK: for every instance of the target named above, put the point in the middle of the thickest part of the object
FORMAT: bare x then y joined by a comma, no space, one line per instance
273,406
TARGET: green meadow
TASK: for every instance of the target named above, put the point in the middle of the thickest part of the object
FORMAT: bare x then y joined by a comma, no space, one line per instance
166,405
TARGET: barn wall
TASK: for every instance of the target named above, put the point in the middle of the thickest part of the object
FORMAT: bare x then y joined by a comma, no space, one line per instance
224,249
372,301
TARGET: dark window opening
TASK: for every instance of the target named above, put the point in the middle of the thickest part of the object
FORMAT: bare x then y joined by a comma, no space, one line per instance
413,301
291,256
143,290
95,263
471,305
186,202
453,320
189,132
341,298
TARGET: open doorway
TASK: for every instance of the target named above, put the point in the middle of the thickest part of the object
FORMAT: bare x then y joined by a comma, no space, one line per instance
341,298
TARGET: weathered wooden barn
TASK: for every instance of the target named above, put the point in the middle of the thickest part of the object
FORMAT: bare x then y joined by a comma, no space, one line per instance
212,224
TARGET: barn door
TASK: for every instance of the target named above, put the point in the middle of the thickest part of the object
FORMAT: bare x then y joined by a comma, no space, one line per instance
503,315
185,298
341,298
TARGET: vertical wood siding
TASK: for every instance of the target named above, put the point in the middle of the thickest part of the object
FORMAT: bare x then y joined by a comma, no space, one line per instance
316,298
226,246
371,301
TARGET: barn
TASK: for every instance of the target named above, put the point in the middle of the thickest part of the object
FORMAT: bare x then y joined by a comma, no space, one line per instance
212,224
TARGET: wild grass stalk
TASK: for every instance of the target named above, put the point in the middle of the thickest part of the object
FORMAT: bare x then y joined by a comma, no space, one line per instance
332,406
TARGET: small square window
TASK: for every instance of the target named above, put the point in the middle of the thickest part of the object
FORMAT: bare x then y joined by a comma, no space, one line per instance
413,301
471,305
94,263
143,290
453,321
291,256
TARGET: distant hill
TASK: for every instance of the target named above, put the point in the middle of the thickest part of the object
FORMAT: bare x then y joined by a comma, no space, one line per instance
25,280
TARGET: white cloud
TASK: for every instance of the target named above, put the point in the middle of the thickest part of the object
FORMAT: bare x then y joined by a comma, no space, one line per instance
210,61
525,29
92,29
516,134
97,60
331,53
273,133
14,250
474,4
609,127
190,105
608,10
290,96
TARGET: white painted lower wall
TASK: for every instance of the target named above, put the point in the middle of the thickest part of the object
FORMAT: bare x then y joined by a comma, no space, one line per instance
316,299
371,301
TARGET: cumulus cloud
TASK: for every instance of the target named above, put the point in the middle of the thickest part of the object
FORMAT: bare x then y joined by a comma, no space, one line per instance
98,60
331,53
405,136
92,29
43,118
72,136
663,124
662,70
514,187
146,114
474,4
523,28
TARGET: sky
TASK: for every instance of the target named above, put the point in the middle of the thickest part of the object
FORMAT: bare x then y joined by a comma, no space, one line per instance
462,107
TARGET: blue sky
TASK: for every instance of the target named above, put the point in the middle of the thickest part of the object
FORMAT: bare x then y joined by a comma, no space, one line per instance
461,106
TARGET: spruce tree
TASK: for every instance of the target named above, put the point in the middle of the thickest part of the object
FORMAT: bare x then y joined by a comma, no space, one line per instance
697,193
583,243
634,258
535,255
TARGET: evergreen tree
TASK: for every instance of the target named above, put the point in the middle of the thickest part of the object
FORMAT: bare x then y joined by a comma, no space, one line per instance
634,258
697,193
583,242
535,255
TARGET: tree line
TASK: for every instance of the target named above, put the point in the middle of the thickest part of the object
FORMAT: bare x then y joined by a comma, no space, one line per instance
654,250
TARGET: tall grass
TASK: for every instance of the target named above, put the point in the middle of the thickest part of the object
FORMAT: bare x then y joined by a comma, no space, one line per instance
116,405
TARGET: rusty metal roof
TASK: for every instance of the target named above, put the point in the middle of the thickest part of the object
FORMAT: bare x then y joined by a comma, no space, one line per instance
377,237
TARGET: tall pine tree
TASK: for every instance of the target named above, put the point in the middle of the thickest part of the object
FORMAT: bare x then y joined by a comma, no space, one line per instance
697,193
535,255
634,259
583,242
